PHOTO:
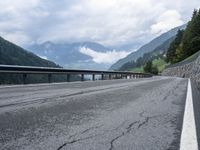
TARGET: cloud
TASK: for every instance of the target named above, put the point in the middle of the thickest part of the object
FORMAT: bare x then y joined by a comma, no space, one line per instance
17,37
43,57
166,21
109,57
110,22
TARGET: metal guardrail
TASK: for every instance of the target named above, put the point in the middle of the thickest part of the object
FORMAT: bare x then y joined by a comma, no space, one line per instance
25,70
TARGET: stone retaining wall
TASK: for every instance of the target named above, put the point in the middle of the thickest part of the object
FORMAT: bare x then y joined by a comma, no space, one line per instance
190,70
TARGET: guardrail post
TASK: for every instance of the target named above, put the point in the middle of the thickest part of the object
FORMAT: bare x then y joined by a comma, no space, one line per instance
102,76
93,77
82,77
49,78
68,77
110,76
24,78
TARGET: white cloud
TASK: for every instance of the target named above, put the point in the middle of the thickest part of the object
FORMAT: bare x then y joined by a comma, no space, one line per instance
110,22
104,57
17,37
43,57
166,21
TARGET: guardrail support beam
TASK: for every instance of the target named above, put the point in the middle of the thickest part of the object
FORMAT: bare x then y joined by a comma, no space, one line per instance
82,77
110,76
93,77
50,78
68,77
24,78
102,76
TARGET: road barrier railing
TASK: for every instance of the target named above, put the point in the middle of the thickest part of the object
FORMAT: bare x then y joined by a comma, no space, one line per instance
26,70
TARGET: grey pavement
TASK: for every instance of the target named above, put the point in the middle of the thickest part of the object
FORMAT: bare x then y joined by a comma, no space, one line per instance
133,114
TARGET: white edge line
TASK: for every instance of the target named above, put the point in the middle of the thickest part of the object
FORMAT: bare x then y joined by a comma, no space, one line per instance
189,134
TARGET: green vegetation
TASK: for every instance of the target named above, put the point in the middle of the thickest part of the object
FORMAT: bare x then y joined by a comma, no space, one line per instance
160,63
150,68
186,42
137,69
157,56
174,48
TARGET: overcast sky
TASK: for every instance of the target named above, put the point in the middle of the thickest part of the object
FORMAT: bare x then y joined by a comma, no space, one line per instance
110,22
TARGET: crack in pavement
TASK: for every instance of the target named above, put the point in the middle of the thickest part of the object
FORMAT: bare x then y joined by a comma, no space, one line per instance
172,92
113,140
84,131
129,128
144,122
81,139
77,140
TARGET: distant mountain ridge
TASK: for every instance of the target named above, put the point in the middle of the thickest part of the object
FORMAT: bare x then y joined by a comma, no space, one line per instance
11,54
158,53
68,54
147,47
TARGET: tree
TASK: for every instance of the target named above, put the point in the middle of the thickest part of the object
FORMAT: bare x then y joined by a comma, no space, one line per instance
186,43
190,42
171,52
150,68
154,70
128,66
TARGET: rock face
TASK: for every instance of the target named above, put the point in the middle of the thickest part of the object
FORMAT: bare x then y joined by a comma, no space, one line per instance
186,70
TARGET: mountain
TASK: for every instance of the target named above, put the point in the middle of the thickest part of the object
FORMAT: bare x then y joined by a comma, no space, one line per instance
11,54
147,47
68,54
157,55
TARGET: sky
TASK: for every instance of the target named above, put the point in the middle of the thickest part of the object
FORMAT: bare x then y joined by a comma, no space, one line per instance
110,22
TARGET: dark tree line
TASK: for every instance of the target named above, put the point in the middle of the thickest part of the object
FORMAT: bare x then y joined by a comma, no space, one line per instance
186,42
150,68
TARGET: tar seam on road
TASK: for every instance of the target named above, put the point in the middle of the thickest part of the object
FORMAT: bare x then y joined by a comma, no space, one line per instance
189,134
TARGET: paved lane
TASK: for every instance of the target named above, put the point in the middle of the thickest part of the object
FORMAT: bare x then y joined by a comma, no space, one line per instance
132,114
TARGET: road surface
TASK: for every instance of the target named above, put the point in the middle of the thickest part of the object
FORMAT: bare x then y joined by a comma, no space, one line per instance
133,114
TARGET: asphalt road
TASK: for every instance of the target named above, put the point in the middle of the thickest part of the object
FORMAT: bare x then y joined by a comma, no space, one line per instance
133,114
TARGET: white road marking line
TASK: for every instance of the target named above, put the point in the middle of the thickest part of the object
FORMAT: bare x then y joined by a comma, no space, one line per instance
188,135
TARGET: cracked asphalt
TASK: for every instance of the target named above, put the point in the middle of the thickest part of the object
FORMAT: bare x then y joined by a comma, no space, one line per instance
133,114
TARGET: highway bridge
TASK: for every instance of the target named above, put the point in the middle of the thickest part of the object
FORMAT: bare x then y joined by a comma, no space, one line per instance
154,113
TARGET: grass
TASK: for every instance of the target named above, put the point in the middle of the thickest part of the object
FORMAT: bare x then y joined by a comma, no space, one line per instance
160,63
138,70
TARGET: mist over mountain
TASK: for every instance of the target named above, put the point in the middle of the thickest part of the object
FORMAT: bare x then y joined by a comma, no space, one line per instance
80,55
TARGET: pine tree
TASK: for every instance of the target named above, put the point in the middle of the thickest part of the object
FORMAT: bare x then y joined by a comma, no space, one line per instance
148,67
186,43
171,53
190,43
